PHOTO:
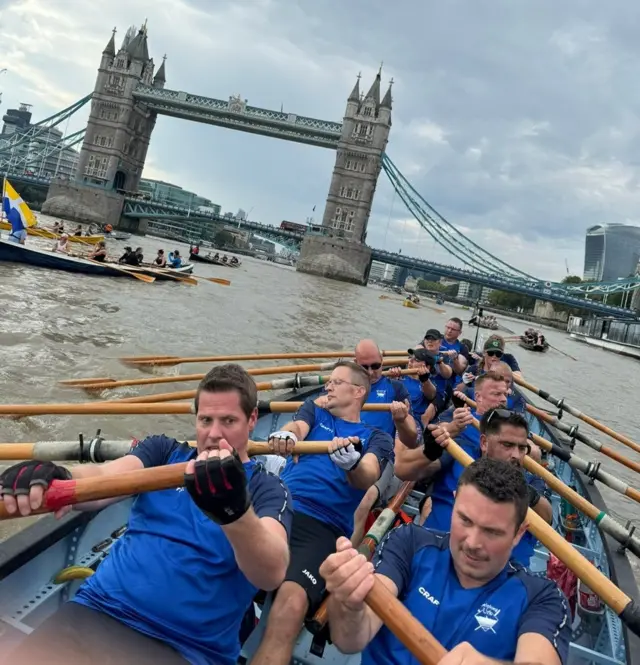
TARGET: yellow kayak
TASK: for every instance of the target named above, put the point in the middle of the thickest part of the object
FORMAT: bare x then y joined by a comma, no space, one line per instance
408,303
46,233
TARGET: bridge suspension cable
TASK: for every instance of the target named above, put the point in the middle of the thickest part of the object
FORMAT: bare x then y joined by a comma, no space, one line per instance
20,138
438,227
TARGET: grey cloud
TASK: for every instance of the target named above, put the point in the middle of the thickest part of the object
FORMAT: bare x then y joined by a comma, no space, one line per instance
516,120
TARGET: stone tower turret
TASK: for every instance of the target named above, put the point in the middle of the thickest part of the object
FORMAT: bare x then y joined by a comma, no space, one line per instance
119,128
365,132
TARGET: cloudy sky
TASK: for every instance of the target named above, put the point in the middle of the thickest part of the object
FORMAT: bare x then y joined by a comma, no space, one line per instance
516,119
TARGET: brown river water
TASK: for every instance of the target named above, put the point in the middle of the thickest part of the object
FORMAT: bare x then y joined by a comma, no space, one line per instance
57,325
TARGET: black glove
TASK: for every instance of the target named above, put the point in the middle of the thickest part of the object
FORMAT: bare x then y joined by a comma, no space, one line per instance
219,488
21,477
534,496
431,449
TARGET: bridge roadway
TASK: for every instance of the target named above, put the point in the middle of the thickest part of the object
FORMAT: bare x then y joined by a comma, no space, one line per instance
559,293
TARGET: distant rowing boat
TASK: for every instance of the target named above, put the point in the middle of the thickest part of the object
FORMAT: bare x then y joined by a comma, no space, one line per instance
14,253
533,346
39,232
212,261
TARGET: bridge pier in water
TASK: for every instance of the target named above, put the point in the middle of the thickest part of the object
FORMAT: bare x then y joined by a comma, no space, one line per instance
341,253
116,139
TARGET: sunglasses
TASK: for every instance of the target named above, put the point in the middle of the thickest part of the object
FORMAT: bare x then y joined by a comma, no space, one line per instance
373,366
494,354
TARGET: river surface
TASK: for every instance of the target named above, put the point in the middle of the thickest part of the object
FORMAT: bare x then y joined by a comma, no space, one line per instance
57,325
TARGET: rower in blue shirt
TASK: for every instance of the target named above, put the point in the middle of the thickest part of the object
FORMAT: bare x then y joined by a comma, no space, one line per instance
458,353
326,490
176,586
399,420
442,378
503,436
461,586
174,259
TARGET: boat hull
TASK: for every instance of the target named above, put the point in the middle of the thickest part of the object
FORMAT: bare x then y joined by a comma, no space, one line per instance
538,348
411,305
39,232
30,560
15,253
207,259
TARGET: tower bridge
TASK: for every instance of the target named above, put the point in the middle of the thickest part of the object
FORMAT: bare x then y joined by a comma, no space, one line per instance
130,94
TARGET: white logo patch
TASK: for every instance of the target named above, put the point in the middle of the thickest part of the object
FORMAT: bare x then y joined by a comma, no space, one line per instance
423,592
487,618
381,393
312,579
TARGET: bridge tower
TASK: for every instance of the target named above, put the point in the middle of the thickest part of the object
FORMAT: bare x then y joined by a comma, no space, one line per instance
340,252
116,139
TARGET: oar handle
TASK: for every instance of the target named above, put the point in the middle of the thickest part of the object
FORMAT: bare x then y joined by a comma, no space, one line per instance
292,407
397,618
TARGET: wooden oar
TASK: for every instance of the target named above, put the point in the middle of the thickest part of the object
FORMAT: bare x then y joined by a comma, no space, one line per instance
101,450
397,618
284,369
560,404
573,433
187,279
102,384
615,598
163,408
555,348
369,543
170,361
280,384
606,523
143,278
216,280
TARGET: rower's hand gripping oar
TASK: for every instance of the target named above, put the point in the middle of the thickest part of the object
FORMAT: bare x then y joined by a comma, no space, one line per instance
63,493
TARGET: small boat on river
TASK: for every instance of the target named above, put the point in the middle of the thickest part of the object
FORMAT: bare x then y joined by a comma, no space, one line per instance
40,232
215,262
42,567
407,302
532,345
44,258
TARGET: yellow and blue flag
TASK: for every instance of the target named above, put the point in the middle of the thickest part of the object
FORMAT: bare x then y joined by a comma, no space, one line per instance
18,213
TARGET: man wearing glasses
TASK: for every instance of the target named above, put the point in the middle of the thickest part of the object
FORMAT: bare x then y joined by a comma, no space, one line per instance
325,490
398,421
450,342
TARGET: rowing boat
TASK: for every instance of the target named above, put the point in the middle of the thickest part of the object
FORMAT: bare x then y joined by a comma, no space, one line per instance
410,303
533,346
42,258
42,567
39,232
209,259
163,274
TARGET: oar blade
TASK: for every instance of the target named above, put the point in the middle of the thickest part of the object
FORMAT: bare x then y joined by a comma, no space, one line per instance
218,280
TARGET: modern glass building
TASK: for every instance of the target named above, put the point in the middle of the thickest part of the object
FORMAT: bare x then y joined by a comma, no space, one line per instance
165,192
611,251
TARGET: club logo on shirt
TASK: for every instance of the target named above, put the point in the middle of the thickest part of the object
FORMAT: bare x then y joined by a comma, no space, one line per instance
423,592
381,393
323,426
487,618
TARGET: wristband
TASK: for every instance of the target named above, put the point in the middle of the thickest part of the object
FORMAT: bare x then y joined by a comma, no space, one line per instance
431,449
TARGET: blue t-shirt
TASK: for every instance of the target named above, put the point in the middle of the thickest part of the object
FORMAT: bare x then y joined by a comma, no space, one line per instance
384,391
446,481
173,574
456,346
491,617
319,487
419,402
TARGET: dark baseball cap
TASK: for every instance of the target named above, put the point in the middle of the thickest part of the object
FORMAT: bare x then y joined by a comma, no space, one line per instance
423,356
433,332
493,344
